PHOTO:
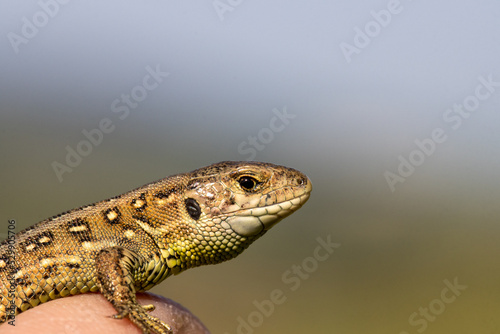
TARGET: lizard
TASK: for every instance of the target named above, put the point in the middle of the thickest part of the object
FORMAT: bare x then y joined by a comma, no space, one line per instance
131,242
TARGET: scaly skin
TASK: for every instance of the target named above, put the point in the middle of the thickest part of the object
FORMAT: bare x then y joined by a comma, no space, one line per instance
132,242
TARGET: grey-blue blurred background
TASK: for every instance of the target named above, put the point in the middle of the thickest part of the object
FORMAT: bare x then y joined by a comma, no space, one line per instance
357,84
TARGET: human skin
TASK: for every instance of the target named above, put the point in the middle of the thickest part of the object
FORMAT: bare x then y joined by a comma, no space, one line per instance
92,313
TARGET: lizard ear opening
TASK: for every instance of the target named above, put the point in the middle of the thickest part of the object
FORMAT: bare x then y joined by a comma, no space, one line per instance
193,208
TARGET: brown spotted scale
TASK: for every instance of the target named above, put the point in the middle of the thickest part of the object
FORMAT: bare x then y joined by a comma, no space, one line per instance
130,243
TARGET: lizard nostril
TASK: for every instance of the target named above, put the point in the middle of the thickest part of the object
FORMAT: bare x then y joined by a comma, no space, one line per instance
302,181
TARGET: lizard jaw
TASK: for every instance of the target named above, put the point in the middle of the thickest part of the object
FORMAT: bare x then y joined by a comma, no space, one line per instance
251,222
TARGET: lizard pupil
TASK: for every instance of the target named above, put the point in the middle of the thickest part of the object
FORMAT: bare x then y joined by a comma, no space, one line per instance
247,183
193,208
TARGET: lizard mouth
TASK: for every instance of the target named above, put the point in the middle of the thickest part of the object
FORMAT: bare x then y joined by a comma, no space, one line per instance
253,221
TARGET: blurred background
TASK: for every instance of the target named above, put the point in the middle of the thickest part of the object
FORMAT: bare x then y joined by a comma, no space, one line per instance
392,108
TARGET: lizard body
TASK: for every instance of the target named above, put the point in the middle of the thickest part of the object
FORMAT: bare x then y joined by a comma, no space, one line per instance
130,243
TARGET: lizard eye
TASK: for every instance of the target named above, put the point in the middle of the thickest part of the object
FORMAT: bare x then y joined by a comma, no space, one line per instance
193,208
247,183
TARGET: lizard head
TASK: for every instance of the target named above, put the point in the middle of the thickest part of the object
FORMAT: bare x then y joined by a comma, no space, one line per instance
228,205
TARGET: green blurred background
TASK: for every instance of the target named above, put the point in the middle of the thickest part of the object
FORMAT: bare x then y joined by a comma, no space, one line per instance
230,65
